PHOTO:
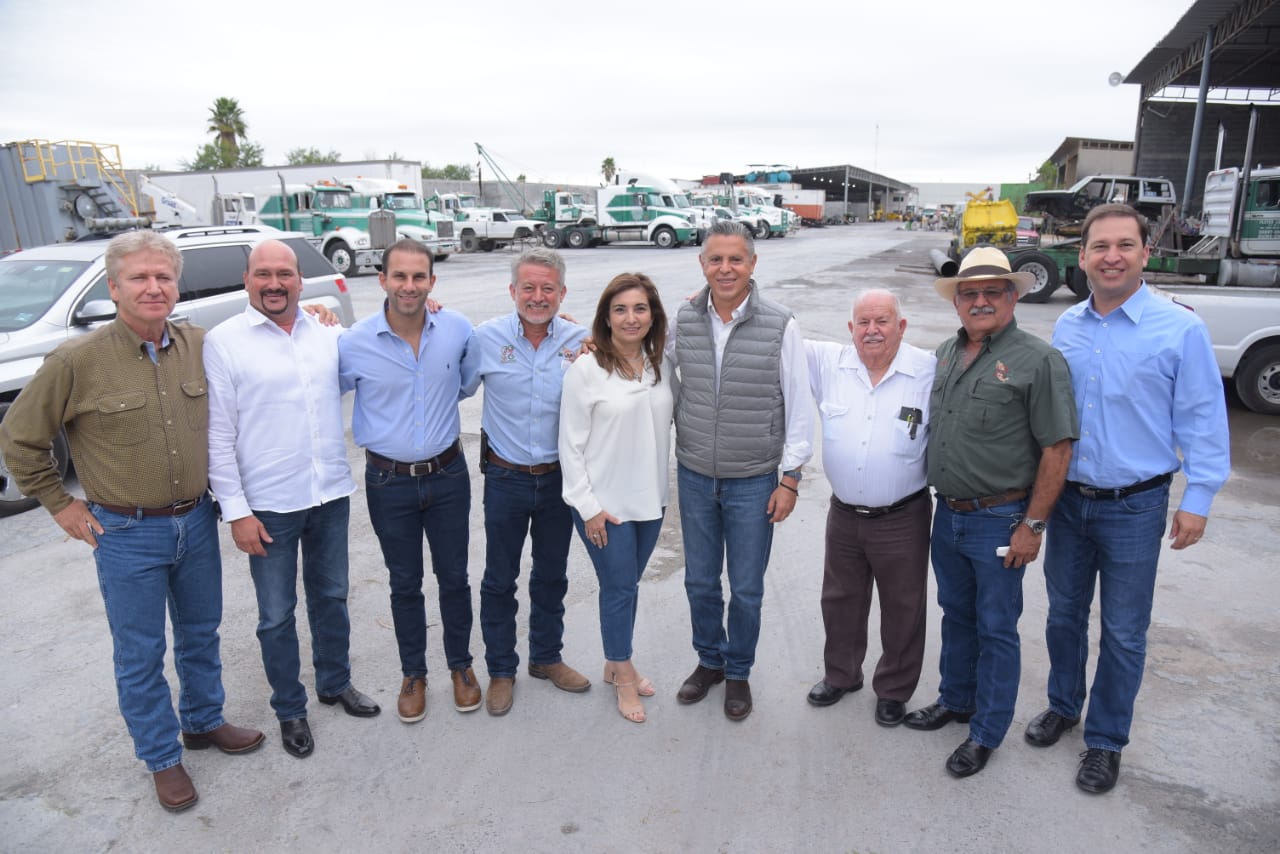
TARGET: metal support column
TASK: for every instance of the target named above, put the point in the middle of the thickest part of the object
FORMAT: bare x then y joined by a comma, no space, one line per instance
1197,125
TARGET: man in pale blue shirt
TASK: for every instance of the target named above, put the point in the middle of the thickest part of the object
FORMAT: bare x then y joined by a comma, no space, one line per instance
408,368
1147,387
522,359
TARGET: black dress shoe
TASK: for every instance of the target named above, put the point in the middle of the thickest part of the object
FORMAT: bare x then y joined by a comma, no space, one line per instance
296,735
1098,770
968,759
934,717
354,702
890,712
826,694
1047,727
698,684
737,699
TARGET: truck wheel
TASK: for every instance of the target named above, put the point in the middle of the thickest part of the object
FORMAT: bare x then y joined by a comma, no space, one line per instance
762,231
1044,269
1258,380
577,238
11,500
339,255
552,238
436,259
1079,283
665,238
469,243
488,245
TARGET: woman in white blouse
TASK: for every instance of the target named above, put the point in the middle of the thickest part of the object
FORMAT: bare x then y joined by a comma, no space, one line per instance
615,442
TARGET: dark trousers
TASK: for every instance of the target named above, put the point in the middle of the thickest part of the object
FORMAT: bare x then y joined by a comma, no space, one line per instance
893,551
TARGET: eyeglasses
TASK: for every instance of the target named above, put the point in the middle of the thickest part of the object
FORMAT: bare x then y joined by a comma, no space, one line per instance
992,294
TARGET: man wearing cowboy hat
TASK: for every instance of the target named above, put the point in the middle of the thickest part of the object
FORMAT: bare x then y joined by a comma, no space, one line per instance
1003,419
1148,388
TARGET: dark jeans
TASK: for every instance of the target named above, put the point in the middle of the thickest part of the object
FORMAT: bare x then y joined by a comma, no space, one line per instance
402,508
893,551
517,504
322,534
981,602
1115,542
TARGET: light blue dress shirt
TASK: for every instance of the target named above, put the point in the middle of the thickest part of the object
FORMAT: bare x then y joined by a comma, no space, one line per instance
1147,386
522,386
406,405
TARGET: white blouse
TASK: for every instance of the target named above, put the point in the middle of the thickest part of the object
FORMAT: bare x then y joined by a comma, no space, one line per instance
615,441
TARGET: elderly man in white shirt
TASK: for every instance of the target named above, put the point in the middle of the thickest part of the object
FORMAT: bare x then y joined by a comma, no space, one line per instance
873,399
278,467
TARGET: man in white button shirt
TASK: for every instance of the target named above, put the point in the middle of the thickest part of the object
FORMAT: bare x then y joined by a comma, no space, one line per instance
278,466
873,398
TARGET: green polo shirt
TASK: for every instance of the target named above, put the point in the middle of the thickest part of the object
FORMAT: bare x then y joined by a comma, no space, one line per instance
988,421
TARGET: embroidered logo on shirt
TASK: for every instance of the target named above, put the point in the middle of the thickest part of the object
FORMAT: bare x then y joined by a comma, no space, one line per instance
1002,372
568,354
508,354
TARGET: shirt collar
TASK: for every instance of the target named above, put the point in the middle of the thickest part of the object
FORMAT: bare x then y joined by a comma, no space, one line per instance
964,336
902,362
381,325
742,306
1132,307
517,326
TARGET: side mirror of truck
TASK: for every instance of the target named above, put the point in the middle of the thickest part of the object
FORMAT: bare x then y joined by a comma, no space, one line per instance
95,310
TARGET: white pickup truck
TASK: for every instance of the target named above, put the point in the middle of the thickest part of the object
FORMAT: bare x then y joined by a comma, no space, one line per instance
1244,324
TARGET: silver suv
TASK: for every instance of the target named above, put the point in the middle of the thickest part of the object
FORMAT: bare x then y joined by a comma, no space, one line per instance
54,293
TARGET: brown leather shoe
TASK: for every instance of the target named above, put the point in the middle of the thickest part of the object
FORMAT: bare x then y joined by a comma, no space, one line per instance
562,676
412,705
227,738
501,695
466,690
698,684
174,788
737,699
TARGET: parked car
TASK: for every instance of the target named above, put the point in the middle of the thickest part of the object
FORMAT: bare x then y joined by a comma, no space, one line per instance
1028,232
53,293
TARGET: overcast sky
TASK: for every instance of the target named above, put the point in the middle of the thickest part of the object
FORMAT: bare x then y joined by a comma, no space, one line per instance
959,91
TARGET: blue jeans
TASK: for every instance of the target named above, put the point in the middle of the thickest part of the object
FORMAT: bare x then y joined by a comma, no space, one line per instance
719,517
322,533
619,566
517,504
144,563
981,602
402,508
1117,541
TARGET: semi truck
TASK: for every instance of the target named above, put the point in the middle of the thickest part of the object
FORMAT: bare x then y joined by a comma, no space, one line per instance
55,192
407,205
480,228
632,212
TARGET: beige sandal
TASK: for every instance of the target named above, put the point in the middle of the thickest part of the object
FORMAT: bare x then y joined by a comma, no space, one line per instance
635,713
643,686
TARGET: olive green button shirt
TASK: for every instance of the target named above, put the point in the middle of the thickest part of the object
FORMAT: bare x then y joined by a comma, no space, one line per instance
138,430
988,421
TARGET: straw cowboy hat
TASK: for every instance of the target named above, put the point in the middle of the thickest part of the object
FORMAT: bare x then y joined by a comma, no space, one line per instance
984,263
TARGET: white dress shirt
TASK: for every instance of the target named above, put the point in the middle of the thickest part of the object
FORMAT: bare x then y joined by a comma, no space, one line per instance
276,440
868,452
615,441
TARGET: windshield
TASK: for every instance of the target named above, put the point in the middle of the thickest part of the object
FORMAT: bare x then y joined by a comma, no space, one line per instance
333,200
28,288
403,202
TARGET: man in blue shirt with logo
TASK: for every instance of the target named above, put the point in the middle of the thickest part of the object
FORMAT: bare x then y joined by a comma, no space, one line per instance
408,368
522,359
1147,387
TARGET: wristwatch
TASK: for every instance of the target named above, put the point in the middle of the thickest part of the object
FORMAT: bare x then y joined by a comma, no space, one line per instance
797,474
1037,526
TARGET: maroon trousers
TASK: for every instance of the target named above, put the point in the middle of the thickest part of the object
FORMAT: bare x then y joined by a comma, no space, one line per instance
893,551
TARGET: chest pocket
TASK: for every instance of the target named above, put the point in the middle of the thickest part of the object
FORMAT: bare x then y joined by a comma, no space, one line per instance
834,420
991,402
122,418
195,400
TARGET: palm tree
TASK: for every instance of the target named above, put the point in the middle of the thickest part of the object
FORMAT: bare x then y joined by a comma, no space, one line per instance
226,122
609,168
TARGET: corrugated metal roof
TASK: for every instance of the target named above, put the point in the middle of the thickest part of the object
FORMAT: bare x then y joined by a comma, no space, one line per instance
1246,52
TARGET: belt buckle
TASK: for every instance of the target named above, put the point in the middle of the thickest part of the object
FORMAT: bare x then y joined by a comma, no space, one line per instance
183,506
1088,491
422,469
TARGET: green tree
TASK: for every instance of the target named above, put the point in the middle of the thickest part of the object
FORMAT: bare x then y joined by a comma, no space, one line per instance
1047,174
609,168
301,156
227,124
212,156
452,172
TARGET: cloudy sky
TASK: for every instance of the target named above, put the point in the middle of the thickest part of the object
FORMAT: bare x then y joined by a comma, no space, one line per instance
919,90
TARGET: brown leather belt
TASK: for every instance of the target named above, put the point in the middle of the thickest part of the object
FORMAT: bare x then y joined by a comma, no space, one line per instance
421,468
969,505
539,469
1111,493
180,508
873,512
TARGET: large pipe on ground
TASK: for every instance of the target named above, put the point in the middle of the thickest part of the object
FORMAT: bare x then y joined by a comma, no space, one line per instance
943,264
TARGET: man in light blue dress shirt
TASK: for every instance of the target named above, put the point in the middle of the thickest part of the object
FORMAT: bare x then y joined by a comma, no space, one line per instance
1147,388
522,360
408,368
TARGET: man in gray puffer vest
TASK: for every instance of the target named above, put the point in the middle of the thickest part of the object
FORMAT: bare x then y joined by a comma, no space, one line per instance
743,413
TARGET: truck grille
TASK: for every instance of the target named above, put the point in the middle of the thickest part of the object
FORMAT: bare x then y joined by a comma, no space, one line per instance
443,229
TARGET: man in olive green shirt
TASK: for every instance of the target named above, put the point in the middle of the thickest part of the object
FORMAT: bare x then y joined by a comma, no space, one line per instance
132,399
1003,417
